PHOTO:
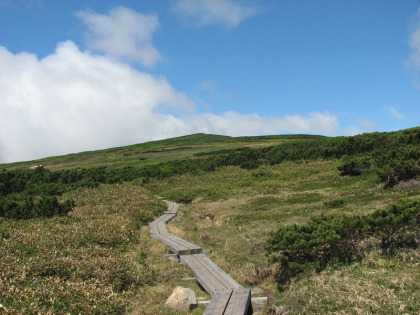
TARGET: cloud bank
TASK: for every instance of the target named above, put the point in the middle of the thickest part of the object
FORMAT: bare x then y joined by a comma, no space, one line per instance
201,13
72,101
123,33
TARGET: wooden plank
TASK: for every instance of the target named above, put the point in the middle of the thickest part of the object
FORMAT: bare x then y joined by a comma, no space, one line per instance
165,217
215,269
239,302
173,247
162,228
218,304
207,280
258,303
153,228
194,248
172,208
179,246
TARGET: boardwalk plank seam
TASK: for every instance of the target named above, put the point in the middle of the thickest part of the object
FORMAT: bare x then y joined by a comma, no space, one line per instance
228,296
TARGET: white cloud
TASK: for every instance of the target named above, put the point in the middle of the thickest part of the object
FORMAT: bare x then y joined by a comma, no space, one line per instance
229,13
72,101
394,112
123,33
236,124
367,124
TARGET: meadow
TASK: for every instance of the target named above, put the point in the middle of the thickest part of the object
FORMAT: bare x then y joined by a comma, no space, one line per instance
99,257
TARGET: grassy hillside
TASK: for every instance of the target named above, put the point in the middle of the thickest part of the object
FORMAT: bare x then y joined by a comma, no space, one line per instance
238,195
155,151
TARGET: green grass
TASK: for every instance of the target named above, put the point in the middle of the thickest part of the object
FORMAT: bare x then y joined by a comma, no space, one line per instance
84,263
375,285
231,211
98,259
155,152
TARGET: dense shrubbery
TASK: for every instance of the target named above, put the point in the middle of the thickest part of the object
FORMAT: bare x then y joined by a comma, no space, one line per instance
44,207
395,156
337,238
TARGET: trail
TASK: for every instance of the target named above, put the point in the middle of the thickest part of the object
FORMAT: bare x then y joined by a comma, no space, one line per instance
228,296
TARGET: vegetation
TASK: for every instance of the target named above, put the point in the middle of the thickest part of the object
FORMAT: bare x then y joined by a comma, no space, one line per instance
92,261
338,238
71,239
156,152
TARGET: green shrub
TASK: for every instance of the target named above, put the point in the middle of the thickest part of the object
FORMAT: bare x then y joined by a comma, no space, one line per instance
352,166
334,203
336,238
400,170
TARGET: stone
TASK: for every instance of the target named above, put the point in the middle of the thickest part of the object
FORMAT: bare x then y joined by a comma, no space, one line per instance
182,300
172,257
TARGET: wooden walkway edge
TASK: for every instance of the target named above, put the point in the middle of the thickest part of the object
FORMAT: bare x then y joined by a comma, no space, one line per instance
228,296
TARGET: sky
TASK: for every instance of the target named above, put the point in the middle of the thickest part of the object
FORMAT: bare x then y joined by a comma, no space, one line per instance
81,75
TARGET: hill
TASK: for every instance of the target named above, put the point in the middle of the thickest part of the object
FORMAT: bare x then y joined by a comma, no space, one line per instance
318,224
155,151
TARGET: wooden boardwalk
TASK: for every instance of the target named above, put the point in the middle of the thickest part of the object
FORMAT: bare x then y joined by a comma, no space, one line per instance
228,296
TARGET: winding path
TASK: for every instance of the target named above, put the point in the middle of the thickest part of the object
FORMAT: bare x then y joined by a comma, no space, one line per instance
228,296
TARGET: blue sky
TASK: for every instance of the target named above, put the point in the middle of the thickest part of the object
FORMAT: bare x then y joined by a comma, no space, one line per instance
83,75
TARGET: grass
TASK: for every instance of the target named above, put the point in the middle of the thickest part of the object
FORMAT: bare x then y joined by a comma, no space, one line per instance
231,211
88,262
100,259
375,285
155,152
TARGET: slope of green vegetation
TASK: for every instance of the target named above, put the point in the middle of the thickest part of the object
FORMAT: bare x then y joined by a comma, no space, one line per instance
155,152
307,219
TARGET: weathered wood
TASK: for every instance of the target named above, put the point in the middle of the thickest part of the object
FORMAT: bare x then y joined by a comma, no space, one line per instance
209,281
218,303
258,303
194,248
172,208
162,228
166,217
215,269
229,297
153,228
239,302
179,246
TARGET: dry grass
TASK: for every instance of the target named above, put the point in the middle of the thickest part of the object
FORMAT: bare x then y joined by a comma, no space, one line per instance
376,285
98,260
233,210
87,262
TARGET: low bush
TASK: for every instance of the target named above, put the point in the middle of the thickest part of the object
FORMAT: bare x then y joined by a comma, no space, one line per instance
337,238
334,203
44,207
395,156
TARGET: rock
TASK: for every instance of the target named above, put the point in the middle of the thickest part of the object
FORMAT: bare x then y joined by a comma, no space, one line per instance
173,259
182,300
